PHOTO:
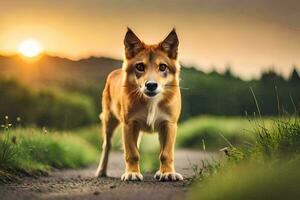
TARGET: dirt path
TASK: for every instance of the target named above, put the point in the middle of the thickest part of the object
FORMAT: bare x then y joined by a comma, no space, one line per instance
80,184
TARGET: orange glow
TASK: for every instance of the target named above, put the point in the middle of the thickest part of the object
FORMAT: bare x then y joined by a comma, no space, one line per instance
211,34
30,48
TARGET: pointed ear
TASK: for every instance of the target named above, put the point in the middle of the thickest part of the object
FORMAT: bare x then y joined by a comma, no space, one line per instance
133,45
170,44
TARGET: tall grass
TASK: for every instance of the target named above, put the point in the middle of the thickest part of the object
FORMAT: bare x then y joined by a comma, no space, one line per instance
32,150
282,140
267,169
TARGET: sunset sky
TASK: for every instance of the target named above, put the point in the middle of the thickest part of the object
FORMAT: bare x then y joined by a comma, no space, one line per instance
248,35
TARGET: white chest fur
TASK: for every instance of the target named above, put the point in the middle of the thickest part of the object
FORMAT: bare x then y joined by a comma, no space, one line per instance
150,116
153,113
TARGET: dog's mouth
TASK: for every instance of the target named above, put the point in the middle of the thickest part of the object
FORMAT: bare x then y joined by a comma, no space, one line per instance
150,94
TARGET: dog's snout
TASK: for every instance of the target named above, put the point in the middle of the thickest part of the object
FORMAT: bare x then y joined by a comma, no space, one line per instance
151,85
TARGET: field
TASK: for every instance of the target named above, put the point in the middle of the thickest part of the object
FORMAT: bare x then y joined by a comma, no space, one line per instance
259,151
36,149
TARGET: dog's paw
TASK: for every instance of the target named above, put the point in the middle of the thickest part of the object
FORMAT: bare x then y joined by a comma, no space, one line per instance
168,176
132,176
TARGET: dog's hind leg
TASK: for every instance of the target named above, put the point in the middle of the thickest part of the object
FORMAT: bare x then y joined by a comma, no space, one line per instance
109,124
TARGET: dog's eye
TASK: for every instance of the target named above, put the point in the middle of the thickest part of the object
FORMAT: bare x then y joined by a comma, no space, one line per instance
162,67
140,67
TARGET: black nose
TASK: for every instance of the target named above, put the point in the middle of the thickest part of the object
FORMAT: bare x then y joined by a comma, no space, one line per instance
151,86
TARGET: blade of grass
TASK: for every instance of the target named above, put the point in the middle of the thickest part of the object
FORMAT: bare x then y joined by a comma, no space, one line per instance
256,103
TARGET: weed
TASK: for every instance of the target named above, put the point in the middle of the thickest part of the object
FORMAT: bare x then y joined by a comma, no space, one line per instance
7,145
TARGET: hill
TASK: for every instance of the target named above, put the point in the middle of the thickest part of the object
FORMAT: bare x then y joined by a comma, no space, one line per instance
52,69
202,93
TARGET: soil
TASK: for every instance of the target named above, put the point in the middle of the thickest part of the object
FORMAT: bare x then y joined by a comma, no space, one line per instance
81,183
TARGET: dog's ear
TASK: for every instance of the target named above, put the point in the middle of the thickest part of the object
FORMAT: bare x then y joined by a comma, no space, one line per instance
170,44
133,45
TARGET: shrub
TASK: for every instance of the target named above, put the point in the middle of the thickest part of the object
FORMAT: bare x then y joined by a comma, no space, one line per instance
211,130
50,108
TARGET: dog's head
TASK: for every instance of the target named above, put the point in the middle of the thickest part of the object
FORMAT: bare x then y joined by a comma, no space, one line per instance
151,68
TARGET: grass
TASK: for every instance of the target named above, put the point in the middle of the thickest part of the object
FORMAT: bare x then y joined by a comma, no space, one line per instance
191,134
32,150
268,169
248,181
92,134
213,130
281,140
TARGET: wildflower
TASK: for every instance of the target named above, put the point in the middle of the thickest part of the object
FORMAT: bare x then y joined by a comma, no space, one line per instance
226,151
44,130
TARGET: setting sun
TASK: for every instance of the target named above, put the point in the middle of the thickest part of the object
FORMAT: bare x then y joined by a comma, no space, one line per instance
30,48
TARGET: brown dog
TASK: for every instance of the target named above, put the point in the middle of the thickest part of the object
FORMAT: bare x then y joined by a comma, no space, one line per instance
143,96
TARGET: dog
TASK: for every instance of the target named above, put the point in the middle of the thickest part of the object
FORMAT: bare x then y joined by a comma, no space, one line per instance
143,95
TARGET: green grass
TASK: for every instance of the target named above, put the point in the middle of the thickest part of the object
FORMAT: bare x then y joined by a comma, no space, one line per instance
31,150
237,130
281,140
190,135
92,134
248,181
267,169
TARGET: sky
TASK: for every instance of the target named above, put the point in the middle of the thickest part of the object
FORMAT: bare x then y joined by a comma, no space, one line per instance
249,36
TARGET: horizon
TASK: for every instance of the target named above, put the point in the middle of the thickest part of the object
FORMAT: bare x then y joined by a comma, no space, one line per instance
228,67
249,36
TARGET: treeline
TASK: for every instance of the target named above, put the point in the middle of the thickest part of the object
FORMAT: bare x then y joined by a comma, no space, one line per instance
225,94
45,107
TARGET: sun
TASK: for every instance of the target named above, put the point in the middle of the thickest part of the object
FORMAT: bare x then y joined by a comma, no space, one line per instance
30,48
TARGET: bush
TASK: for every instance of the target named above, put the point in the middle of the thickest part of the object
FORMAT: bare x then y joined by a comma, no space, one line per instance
50,108
212,130
61,111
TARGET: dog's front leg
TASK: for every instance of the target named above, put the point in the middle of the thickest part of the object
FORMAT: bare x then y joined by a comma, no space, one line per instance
130,134
167,137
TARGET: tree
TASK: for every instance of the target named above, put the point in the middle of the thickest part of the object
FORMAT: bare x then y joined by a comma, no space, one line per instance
228,72
294,78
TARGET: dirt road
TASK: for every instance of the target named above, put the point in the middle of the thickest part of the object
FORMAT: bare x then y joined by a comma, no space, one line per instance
81,184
